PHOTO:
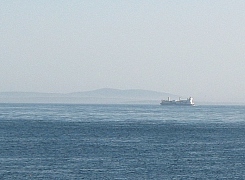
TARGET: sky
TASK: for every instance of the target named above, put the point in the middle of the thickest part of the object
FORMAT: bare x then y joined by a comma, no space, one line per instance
184,47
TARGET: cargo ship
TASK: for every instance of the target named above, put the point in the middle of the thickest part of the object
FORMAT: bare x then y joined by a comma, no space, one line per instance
184,102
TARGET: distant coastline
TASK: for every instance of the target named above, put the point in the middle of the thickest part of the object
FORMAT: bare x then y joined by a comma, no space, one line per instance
99,96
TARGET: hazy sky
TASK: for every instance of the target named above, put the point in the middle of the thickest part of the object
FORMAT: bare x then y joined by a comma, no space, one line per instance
185,47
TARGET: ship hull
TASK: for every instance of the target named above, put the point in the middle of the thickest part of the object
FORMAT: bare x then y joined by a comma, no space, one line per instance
173,104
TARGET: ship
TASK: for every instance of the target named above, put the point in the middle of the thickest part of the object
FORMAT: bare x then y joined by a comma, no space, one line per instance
182,102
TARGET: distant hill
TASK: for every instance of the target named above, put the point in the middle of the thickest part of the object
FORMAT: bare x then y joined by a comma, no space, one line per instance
117,93
105,95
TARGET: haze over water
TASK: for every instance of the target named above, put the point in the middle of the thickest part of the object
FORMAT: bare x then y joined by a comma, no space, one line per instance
187,48
184,48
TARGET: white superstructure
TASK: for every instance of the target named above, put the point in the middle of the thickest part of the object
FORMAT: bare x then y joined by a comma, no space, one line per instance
188,101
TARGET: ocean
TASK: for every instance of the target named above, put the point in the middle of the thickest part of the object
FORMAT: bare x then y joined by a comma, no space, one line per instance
61,141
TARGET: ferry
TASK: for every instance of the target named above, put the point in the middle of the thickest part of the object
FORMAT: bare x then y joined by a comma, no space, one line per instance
184,102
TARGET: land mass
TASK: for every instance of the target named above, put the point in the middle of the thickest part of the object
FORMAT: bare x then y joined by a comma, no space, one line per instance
99,96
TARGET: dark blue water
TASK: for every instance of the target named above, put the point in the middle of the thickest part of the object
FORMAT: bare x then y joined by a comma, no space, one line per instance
39,141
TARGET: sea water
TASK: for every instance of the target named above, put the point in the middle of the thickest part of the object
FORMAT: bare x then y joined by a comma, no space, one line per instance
58,141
